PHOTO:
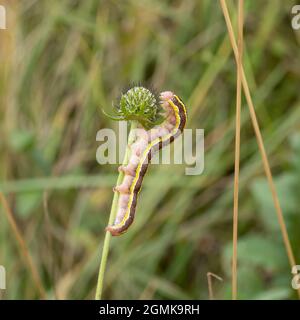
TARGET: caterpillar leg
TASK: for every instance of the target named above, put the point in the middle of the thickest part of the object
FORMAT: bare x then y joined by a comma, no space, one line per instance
121,189
125,186
127,170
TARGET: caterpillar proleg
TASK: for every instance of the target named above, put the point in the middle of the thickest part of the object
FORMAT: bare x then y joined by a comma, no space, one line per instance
147,142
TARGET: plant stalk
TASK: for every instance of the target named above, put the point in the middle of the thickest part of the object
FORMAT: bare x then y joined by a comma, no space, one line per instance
112,216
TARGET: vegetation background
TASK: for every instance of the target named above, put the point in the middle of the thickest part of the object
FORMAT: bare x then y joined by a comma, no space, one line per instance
61,61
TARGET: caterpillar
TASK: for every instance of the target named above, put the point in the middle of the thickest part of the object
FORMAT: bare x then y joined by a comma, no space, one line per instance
146,144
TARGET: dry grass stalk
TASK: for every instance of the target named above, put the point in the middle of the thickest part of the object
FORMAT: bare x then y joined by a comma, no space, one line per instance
260,142
237,148
23,247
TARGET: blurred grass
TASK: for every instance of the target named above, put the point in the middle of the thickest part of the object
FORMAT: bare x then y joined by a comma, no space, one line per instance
60,61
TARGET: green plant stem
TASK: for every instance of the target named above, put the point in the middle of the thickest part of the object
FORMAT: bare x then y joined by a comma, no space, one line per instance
112,217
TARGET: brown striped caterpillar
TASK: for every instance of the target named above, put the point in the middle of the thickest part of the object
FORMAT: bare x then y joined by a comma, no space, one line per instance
146,144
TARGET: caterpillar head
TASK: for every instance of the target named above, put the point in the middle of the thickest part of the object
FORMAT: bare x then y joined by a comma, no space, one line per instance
164,97
140,104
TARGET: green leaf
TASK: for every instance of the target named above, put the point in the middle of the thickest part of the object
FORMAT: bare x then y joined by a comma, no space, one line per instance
258,256
250,283
27,202
257,251
274,294
21,140
286,187
295,144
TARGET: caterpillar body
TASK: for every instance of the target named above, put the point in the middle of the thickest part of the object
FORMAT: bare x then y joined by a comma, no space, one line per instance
147,142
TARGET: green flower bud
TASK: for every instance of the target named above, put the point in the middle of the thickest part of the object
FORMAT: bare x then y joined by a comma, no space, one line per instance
139,104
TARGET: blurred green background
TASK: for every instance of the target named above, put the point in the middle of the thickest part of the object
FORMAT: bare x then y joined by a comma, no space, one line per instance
60,61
